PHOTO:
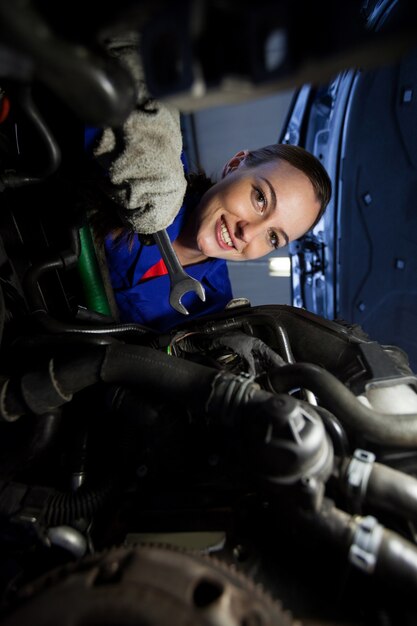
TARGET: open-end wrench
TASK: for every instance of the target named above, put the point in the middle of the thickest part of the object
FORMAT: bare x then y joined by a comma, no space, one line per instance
181,282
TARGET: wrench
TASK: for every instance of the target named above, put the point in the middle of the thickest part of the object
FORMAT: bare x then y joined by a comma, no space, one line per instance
181,282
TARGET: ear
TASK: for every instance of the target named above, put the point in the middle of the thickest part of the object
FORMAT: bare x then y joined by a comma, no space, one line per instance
235,162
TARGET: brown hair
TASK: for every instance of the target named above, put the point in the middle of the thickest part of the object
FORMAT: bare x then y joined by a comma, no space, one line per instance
302,160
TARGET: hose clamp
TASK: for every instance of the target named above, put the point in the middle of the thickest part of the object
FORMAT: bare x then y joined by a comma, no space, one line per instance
363,552
357,476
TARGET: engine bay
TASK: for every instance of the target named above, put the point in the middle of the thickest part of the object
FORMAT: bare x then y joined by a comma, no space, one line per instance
253,467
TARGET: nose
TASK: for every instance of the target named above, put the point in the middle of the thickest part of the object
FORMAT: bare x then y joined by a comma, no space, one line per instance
247,231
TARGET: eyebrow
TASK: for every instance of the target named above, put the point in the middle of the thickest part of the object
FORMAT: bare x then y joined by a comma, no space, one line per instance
274,206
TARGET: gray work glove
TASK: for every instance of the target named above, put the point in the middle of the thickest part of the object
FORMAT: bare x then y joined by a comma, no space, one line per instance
143,157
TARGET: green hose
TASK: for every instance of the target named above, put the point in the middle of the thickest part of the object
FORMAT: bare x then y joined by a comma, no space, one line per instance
90,275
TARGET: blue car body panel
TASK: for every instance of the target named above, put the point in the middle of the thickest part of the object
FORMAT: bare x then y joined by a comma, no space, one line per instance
360,262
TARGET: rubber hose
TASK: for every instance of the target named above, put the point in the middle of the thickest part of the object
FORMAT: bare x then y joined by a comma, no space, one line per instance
24,452
51,386
149,370
335,431
392,490
90,275
155,372
98,88
50,145
279,332
395,430
13,179
80,372
64,508
2,313
397,562
44,436
395,557
31,279
52,325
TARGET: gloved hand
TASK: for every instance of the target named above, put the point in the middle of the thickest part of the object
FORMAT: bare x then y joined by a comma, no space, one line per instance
145,174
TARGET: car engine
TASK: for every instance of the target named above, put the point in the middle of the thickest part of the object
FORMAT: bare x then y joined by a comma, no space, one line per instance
249,468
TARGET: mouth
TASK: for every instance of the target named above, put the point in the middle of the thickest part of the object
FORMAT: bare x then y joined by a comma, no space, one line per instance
223,235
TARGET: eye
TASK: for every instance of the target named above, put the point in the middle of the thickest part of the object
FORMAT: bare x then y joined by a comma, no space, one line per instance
273,238
260,199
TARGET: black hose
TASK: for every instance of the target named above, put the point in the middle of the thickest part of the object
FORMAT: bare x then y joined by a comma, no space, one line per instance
75,241
279,332
151,372
12,179
395,430
50,342
44,436
335,430
397,563
369,546
68,507
2,313
392,490
99,89
51,325
31,279
53,507
22,453
50,386
48,141
66,260
79,372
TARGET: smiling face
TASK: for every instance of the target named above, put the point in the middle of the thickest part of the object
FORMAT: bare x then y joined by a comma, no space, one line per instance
253,210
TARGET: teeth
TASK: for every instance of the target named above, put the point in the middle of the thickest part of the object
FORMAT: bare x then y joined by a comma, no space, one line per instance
225,235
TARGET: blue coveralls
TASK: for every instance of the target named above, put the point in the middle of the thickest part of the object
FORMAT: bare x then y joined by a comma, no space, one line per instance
147,303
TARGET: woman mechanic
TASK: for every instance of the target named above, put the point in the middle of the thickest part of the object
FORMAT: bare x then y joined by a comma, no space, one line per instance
265,199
